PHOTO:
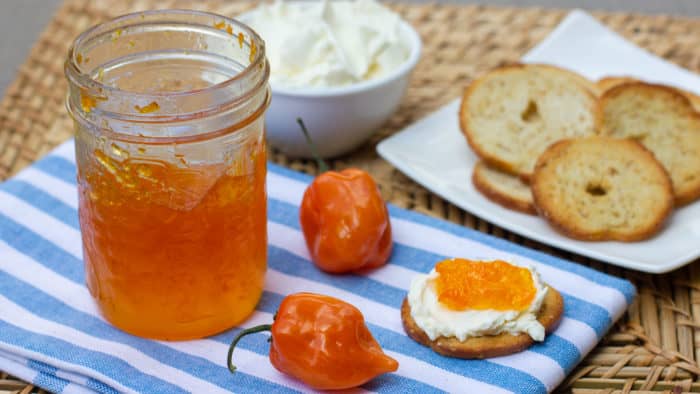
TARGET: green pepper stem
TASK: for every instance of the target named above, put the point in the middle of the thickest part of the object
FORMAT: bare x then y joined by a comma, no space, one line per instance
321,163
252,330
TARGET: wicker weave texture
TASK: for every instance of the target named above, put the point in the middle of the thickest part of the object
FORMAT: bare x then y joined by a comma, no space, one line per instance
655,347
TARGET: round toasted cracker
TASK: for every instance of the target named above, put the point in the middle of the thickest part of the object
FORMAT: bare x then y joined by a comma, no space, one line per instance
664,120
486,346
502,188
512,113
602,189
607,83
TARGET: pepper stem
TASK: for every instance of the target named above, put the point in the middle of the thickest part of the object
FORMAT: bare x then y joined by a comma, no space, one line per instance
252,330
321,163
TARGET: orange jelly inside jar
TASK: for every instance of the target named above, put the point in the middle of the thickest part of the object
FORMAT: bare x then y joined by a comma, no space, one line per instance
177,261
171,171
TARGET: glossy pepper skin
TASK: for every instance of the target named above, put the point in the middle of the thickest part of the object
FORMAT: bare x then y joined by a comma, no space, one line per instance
345,222
323,342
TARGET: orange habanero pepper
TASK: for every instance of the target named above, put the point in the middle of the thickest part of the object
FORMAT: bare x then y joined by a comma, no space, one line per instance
323,342
345,220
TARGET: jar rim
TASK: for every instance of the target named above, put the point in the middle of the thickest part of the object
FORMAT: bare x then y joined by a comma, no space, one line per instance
87,82
73,71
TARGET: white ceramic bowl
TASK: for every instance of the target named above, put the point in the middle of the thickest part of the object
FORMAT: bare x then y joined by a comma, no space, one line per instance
341,118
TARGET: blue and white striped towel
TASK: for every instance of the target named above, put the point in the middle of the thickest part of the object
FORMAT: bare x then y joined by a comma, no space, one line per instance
51,333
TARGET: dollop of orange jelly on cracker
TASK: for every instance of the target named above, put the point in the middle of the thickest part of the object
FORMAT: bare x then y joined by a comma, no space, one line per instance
465,284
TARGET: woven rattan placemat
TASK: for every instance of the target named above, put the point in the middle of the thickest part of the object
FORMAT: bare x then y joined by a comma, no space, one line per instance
656,345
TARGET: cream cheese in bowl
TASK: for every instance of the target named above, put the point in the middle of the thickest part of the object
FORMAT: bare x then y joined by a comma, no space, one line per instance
341,66
329,43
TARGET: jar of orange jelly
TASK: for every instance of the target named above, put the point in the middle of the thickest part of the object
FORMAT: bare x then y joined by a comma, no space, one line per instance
170,146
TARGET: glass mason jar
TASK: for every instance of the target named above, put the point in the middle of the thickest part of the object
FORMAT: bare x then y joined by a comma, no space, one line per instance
169,137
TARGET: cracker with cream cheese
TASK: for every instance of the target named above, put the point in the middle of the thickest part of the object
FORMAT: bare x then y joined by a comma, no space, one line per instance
480,309
489,345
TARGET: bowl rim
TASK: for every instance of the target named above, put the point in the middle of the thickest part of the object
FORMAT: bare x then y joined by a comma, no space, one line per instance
333,91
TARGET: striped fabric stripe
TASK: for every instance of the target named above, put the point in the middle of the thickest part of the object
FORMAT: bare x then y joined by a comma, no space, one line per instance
52,334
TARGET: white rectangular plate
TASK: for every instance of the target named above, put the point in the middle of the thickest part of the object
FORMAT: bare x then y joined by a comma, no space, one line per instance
433,151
